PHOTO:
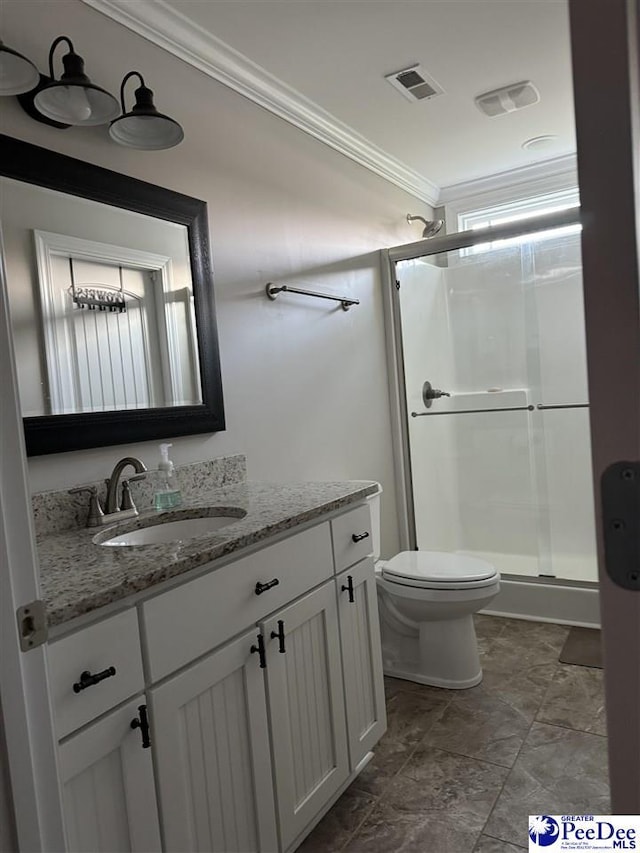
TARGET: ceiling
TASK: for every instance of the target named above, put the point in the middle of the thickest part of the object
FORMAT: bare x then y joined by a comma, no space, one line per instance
335,53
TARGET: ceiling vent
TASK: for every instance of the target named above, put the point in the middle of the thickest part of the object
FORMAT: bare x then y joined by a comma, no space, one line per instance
508,99
414,84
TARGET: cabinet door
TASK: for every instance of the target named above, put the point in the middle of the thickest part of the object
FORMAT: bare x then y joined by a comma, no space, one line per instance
108,788
212,754
306,705
362,659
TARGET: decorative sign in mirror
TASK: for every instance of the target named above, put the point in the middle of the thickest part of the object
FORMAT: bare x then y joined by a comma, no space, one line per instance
111,300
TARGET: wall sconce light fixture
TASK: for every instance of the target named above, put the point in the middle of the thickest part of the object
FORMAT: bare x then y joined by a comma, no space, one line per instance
144,127
75,100
17,73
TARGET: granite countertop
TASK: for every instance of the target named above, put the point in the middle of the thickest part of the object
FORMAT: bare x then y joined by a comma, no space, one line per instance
77,576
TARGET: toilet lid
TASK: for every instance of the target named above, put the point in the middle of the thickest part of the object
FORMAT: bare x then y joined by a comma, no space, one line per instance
420,568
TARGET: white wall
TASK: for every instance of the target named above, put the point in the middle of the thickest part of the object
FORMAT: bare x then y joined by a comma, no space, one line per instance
305,385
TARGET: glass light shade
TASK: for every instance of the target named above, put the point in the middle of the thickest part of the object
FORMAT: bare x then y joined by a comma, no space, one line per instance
146,132
17,73
76,103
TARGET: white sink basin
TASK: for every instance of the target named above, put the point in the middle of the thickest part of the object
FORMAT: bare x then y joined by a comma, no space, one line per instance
168,528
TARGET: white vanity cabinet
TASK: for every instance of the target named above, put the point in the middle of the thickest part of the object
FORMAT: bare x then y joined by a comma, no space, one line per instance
306,705
106,771
361,659
211,744
108,788
263,682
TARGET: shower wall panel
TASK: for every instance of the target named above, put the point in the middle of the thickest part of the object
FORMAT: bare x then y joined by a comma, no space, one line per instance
569,494
561,436
428,353
556,331
486,306
497,509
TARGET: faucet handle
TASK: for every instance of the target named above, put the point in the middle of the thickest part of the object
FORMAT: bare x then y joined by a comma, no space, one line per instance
127,499
95,510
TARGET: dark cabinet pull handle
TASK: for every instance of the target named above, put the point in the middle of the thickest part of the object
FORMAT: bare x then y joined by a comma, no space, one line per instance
279,635
358,537
88,680
142,723
349,588
263,587
260,650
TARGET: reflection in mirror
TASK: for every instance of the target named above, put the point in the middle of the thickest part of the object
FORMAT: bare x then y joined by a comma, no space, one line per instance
100,324
111,298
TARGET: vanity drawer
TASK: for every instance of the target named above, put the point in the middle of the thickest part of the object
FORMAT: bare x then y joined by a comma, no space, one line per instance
352,537
194,618
114,642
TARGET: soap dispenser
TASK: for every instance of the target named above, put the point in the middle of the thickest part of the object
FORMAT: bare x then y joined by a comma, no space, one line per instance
168,494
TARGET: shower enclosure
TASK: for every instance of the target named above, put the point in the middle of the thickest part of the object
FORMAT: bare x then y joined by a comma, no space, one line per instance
497,465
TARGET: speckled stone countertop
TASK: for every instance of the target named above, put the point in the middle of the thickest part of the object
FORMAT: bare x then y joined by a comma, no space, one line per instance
78,576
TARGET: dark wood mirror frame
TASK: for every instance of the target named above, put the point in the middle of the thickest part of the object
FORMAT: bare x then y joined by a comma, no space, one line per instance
56,433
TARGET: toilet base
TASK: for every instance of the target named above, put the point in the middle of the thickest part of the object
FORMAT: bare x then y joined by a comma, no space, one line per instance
446,683
442,653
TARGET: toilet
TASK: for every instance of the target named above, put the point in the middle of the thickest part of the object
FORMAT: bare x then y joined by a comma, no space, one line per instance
426,601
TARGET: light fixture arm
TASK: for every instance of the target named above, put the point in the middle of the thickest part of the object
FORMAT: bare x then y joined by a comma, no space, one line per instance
122,85
54,44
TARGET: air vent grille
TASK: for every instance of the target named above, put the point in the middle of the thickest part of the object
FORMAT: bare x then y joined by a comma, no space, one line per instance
409,79
414,84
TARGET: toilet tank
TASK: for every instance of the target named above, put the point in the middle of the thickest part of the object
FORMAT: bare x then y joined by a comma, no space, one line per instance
374,509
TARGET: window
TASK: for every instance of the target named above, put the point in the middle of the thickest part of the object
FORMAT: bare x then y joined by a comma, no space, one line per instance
518,210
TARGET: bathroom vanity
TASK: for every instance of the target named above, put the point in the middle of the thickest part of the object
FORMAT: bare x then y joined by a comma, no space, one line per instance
231,688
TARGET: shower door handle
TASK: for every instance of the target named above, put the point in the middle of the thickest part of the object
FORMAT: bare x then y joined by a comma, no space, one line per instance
429,393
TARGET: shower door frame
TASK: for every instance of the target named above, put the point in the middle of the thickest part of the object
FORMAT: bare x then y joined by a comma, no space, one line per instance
395,350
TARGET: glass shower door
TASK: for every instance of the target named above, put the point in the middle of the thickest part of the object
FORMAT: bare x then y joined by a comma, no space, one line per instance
501,468
561,435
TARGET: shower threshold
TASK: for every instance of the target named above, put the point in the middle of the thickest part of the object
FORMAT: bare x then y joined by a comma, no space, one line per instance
565,567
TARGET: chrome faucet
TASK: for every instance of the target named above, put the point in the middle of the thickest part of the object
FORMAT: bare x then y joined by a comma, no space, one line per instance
112,511
111,504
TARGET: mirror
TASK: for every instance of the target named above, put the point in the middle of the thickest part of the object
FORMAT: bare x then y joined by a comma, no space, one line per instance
112,306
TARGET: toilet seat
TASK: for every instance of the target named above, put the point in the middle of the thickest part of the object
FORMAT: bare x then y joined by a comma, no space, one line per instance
438,570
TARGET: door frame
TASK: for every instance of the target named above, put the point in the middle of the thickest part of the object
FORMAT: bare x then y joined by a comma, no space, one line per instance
607,95
24,687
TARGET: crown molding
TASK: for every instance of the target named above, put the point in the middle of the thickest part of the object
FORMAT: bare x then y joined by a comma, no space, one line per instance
557,173
159,23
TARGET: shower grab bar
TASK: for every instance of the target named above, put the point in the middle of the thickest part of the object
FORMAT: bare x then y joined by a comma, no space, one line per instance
273,291
539,407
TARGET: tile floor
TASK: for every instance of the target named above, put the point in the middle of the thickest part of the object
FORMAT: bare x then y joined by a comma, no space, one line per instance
460,771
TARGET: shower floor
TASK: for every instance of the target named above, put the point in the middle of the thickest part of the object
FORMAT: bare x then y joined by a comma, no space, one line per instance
572,567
